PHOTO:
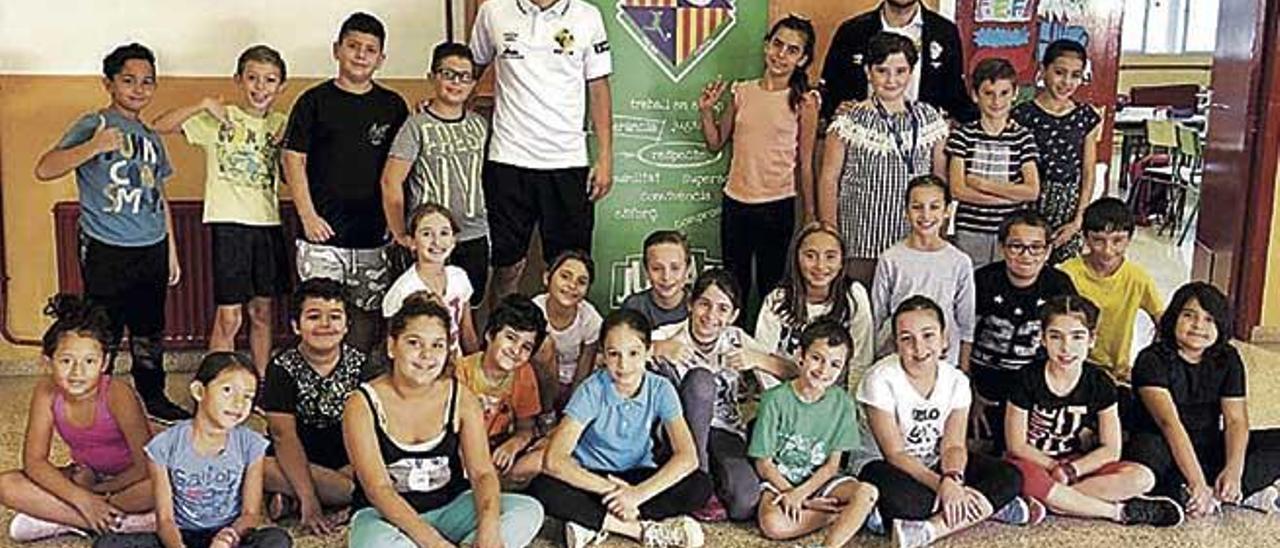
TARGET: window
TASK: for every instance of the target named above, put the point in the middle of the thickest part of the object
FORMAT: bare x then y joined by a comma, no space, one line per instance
1169,26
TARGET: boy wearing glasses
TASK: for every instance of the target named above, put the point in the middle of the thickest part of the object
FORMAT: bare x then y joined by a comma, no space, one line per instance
440,151
334,150
1006,335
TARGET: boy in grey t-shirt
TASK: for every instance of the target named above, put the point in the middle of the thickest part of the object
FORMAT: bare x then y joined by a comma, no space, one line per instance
437,157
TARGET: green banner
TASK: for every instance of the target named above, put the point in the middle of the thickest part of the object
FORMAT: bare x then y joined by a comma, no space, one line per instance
664,52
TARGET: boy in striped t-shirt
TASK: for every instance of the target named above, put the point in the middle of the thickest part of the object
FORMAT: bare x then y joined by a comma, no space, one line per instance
992,163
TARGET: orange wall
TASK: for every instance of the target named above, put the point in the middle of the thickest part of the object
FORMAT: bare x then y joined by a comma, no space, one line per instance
34,111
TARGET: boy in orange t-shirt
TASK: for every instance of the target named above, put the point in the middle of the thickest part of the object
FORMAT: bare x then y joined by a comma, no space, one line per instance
504,381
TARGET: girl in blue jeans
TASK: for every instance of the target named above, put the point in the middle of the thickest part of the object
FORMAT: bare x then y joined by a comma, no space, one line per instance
422,481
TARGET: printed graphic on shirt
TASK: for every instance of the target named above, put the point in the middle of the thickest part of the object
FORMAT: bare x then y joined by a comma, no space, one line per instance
216,489
454,155
922,435
247,157
419,475
132,189
1056,431
798,456
378,133
996,336
676,34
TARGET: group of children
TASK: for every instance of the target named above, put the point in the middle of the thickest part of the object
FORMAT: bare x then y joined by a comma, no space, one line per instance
942,397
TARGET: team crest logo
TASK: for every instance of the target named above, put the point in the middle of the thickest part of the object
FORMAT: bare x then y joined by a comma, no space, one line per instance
676,34
564,39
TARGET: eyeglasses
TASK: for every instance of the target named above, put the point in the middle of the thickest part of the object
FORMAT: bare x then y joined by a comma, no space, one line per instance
1035,250
460,77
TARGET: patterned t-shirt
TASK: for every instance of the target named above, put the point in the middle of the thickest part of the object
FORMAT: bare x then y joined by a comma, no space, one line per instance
293,387
242,165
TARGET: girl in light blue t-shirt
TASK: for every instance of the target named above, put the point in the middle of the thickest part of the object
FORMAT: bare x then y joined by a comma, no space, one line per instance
206,472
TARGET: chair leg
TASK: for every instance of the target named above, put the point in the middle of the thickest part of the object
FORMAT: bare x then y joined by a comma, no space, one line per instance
1191,217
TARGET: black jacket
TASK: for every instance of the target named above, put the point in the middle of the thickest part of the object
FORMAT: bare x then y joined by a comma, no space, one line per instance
942,80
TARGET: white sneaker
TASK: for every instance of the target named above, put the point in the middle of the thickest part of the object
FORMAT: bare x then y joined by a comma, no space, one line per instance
912,533
683,531
578,536
1266,500
24,528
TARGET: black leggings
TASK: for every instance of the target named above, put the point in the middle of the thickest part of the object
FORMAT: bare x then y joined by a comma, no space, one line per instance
583,507
902,497
756,231
1261,460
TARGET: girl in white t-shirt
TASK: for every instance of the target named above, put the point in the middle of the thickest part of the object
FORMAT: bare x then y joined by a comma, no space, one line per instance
816,285
917,409
573,325
434,232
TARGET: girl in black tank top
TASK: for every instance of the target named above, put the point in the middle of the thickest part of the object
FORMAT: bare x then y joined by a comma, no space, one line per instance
428,475
414,483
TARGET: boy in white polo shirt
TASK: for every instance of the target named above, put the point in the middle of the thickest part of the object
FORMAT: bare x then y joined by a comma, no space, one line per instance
550,56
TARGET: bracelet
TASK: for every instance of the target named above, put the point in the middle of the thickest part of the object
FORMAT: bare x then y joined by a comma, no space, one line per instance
955,475
1069,469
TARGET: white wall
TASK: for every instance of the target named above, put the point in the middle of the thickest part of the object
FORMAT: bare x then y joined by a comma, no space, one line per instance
203,37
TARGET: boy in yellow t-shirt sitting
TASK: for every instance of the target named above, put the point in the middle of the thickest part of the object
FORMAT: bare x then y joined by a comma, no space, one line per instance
504,381
241,198
1119,287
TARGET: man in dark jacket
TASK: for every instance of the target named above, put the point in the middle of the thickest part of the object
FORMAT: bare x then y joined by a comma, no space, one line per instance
939,73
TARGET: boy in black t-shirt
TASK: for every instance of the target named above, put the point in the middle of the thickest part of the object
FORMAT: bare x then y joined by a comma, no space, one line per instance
1006,335
303,395
335,148
1050,408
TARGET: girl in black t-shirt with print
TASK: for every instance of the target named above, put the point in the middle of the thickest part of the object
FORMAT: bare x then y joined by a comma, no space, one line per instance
1192,428
1051,404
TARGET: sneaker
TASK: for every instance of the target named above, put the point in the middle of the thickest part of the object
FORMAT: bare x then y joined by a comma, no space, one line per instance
165,412
1016,512
24,528
912,533
683,531
1264,500
875,523
1157,511
712,512
579,536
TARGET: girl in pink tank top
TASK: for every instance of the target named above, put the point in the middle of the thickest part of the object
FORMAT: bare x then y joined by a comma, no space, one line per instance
105,488
772,123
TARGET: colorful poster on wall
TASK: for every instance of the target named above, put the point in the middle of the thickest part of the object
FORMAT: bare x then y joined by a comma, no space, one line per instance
1020,30
664,52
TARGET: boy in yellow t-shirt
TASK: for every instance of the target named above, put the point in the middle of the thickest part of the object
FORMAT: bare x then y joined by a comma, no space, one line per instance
241,197
504,382
1119,287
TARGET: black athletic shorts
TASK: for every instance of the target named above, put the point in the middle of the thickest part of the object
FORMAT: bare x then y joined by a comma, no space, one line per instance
248,262
519,198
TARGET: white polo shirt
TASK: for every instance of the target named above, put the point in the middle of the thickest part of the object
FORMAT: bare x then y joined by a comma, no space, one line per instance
543,59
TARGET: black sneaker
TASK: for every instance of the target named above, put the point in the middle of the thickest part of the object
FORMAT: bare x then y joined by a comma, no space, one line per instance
165,412
1156,511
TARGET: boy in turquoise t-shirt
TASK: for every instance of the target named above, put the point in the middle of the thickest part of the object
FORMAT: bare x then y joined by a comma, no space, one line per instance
241,198
127,258
801,430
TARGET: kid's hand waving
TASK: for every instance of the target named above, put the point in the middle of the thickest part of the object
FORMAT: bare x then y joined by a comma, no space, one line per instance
711,94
